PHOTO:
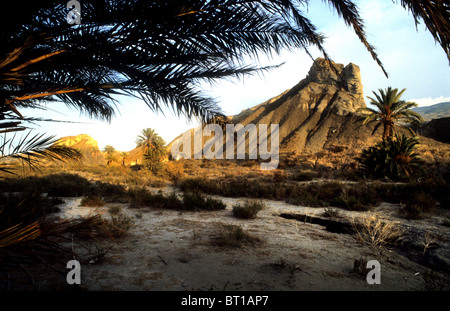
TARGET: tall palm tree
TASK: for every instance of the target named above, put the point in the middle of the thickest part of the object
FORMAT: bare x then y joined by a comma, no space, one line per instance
158,50
149,139
390,109
153,148
110,154
124,156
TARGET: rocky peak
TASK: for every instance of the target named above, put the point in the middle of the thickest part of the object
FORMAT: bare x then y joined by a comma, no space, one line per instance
88,147
82,139
316,113
340,76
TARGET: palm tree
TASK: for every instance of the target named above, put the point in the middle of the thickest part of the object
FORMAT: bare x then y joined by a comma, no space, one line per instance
157,50
153,148
391,109
124,156
149,139
392,157
110,156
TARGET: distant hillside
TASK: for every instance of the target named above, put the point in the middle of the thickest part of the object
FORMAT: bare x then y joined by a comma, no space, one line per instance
437,129
87,146
437,111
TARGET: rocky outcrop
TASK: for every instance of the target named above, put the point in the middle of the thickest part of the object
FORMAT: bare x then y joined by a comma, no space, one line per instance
318,112
83,140
87,146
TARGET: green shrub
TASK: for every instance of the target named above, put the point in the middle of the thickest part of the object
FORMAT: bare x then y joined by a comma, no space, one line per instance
326,191
305,198
446,222
331,213
55,185
114,210
248,210
169,201
195,200
392,157
140,197
109,192
418,205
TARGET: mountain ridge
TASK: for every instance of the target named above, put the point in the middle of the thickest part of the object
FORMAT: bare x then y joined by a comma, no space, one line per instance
436,111
317,113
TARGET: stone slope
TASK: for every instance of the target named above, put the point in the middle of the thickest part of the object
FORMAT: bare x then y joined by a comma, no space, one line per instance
317,113
87,146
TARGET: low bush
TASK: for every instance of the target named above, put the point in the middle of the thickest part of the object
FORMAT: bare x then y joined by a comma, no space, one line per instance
325,191
395,158
195,200
331,213
118,225
114,210
305,176
418,205
141,197
56,185
92,201
248,210
305,198
234,236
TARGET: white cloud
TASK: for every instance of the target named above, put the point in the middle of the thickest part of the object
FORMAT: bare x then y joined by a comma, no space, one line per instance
430,101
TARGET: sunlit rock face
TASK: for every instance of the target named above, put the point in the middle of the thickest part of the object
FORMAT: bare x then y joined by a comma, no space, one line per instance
318,113
87,146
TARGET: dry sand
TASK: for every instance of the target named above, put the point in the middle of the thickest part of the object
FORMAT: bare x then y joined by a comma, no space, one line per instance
172,250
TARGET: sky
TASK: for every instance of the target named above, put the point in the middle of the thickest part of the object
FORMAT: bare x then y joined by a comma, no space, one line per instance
410,55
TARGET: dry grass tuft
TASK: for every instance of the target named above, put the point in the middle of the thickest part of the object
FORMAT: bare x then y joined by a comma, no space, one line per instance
375,229
248,210
235,237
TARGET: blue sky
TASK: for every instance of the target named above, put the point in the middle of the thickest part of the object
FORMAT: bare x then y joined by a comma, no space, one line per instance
411,57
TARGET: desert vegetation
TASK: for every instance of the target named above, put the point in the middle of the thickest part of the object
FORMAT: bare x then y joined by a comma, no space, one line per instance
199,187
85,67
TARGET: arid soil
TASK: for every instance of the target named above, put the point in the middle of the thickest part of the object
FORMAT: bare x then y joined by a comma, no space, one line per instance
172,250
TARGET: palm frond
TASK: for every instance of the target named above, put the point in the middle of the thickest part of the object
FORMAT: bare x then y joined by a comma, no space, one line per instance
349,13
158,51
34,149
436,16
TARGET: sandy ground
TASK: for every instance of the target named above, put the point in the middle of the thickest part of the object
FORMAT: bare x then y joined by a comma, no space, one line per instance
172,250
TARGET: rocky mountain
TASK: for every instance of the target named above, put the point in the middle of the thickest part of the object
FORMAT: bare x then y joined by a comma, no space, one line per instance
316,114
441,110
87,146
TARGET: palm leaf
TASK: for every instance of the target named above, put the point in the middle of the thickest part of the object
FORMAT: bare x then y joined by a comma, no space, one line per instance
34,149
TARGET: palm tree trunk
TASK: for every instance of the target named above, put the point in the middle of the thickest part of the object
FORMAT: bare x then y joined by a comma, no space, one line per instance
387,130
